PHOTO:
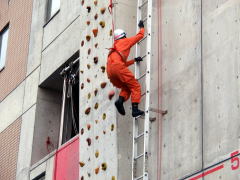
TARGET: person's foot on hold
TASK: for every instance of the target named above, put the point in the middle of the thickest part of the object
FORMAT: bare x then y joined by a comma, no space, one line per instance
119,105
135,111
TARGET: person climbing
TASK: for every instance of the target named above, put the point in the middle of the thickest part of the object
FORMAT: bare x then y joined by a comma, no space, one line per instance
119,74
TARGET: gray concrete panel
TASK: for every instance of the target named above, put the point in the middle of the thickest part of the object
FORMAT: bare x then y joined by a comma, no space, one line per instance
181,85
35,47
11,107
60,50
221,68
25,145
47,123
31,89
124,123
69,11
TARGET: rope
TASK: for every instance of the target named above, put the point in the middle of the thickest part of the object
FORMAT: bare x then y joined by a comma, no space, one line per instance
110,9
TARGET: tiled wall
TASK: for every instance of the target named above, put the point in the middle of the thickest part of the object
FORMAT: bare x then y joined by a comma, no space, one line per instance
9,142
18,14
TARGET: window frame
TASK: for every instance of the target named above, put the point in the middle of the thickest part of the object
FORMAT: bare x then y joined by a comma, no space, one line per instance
43,174
49,14
2,32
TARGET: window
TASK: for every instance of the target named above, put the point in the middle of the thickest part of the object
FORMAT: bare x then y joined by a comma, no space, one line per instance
3,46
52,9
40,177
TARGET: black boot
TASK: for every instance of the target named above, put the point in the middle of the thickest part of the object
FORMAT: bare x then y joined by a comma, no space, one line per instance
135,111
119,105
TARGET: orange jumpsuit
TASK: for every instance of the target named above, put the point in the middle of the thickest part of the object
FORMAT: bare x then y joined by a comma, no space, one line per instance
118,73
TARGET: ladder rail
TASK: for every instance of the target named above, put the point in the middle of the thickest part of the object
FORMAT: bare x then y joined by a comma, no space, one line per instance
147,75
135,121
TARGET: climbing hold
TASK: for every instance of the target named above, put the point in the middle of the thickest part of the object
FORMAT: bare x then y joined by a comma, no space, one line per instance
111,32
96,45
103,85
88,37
82,178
88,80
97,170
82,86
82,43
96,137
89,141
89,95
88,23
104,132
111,94
97,154
103,69
89,51
95,60
82,164
113,178
89,175
96,16
81,71
87,111
102,24
95,76
82,2
95,32
89,159
96,121
104,166
88,9
82,131
104,116
102,10
96,106
95,2
88,66
95,92
112,127
88,126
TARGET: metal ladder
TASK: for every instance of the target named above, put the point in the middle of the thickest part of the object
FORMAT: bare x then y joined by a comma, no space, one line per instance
147,4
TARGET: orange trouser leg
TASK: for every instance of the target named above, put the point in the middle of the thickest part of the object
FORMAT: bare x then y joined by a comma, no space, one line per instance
125,92
132,84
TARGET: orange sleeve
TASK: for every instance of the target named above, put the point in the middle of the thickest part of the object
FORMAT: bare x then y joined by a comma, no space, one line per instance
133,40
130,62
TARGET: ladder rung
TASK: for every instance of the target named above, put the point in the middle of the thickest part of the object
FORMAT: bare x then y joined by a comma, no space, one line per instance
145,19
141,76
143,94
142,40
140,177
143,4
139,156
140,135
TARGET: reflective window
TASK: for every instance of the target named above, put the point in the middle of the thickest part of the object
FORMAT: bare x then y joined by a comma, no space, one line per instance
53,7
3,47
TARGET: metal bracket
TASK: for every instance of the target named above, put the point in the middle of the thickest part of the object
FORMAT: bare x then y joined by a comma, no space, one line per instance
162,112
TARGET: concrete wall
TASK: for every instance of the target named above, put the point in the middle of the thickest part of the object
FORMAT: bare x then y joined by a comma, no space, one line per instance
98,138
221,53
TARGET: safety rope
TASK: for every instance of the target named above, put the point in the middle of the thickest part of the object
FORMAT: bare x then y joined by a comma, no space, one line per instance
110,9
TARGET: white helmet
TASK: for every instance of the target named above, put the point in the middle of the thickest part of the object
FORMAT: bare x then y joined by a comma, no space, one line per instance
119,33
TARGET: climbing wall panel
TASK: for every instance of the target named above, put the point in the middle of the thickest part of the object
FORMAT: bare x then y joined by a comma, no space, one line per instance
98,147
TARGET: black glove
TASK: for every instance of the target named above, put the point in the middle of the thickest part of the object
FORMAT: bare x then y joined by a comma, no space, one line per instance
140,24
138,59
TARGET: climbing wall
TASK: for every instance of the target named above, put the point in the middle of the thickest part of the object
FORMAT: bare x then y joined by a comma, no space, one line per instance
98,140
